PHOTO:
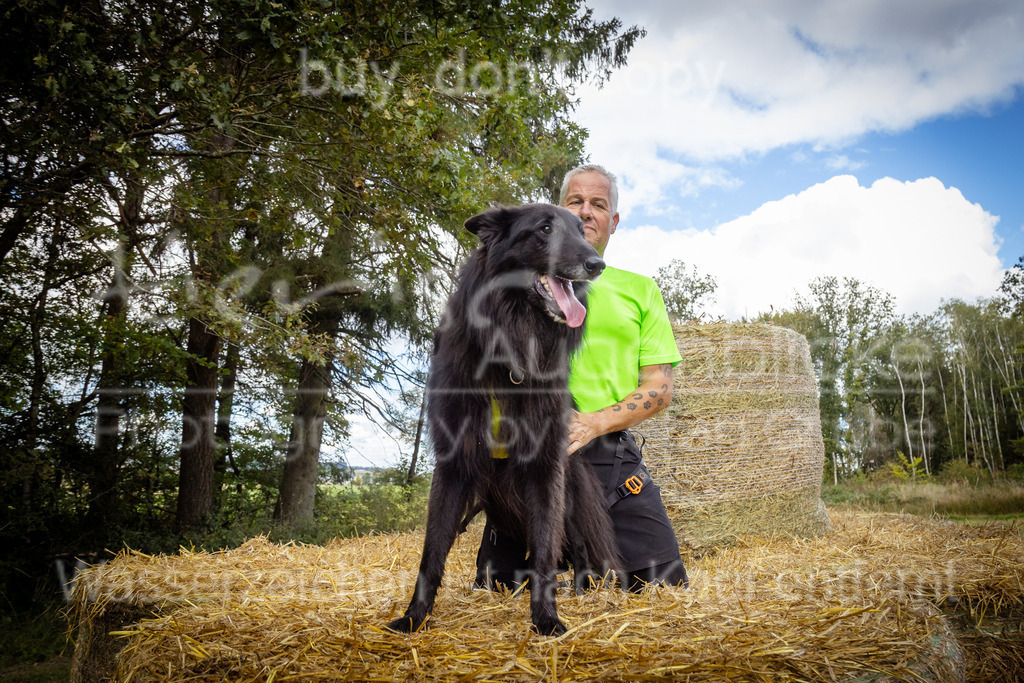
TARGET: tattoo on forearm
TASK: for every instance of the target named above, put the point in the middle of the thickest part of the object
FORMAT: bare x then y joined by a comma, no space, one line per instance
649,399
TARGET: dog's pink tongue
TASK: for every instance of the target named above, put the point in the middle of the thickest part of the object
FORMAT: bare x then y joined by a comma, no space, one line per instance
567,301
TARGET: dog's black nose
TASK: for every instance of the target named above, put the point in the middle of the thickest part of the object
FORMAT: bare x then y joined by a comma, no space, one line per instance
594,265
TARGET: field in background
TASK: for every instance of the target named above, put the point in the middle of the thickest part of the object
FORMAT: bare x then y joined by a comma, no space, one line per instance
974,498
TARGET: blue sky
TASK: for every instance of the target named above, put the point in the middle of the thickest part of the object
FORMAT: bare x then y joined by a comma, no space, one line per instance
981,154
770,143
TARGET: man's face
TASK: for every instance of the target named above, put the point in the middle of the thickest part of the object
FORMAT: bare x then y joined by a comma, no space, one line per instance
589,197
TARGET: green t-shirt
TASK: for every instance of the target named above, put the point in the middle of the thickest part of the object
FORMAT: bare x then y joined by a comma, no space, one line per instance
627,327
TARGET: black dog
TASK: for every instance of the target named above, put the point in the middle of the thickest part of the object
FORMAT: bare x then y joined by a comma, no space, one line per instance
498,407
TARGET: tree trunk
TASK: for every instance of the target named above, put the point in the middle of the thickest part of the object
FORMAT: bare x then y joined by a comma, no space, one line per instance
921,419
298,484
903,409
982,441
196,495
225,406
946,416
967,412
1001,463
37,319
298,480
199,417
419,435
105,504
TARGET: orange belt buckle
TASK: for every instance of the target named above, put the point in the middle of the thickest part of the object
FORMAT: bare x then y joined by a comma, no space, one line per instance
635,484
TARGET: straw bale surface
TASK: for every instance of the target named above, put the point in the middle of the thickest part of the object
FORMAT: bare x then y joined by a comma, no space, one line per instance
856,605
739,450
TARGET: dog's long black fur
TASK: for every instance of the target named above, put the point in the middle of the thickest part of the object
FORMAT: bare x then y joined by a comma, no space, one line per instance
503,349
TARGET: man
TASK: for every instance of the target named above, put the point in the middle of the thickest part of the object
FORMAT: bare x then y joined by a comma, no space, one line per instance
621,375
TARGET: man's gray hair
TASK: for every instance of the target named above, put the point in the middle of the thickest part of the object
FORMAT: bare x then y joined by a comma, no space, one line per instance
592,168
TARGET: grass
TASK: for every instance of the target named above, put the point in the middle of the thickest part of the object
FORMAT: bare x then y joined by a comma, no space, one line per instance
54,670
977,501
35,647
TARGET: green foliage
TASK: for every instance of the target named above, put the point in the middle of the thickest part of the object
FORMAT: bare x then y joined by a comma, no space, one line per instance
685,291
340,511
907,469
1012,286
164,163
358,509
943,387
397,475
33,642
960,471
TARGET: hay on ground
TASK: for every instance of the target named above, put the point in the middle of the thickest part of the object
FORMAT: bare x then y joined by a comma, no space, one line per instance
859,604
740,445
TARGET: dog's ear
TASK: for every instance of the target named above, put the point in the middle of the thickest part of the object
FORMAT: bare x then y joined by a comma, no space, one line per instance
491,225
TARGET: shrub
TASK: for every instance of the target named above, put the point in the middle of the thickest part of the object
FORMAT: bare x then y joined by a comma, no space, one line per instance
363,508
907,469
959,471
339,510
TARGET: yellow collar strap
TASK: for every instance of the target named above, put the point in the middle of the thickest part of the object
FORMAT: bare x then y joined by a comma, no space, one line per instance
499,450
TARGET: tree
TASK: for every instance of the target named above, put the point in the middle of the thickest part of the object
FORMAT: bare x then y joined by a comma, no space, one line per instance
983,391
845,324
233,210
1012,287
927,388
61,115
685,291
1011,352
476,139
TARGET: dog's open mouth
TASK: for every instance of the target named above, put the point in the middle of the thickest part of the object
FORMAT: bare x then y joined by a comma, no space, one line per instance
559,290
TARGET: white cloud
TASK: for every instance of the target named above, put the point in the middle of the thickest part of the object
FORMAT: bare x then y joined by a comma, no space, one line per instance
369,444
841,162
716,81
919,241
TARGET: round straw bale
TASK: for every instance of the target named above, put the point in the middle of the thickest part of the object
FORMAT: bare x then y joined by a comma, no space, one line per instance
858,604
739,450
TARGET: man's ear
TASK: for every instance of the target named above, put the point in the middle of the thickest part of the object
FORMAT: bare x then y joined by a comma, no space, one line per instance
491,225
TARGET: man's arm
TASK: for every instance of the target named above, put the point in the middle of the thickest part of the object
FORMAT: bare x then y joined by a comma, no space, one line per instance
652,396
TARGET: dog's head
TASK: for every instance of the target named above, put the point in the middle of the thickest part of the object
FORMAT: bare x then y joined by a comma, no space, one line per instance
546,243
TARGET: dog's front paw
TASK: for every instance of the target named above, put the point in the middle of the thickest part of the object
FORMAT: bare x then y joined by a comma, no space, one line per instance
404,624
549,626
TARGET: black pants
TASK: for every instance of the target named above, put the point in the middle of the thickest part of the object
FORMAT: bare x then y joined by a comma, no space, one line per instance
646,540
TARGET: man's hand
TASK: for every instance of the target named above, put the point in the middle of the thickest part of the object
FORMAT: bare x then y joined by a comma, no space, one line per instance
583,428
651,397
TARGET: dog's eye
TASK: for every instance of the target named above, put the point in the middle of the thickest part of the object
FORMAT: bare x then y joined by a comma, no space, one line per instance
546,229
